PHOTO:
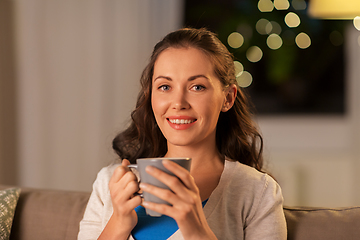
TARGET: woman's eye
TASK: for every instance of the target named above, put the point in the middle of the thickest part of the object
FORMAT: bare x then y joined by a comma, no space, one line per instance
164,87
198,87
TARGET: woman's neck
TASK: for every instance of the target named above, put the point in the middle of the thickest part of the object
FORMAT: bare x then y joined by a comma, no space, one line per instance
202,158
207,166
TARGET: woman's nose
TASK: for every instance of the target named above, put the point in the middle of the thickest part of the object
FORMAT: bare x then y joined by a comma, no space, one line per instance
180,100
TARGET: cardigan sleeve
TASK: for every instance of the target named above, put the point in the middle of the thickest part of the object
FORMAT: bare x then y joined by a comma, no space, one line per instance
267,220
99,208
91,224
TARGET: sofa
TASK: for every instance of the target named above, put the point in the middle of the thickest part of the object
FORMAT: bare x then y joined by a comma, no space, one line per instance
55,215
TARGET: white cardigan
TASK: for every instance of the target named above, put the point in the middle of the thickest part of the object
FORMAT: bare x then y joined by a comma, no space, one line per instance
246,204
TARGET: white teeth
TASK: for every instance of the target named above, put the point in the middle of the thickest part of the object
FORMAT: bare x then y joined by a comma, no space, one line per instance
181,121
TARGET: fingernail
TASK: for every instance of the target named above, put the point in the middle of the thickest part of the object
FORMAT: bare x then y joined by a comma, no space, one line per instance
167,162
144,203
143,185
149,168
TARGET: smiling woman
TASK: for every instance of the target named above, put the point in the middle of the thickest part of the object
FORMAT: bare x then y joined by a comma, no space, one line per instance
193,93
190,105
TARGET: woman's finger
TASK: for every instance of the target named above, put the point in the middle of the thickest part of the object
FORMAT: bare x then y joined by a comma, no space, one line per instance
124,189
178,211
120,171
125,162
174,183
165,194
178,195
123,183
181,173
160,208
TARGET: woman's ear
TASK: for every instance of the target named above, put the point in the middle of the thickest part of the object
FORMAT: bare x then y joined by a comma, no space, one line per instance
230,96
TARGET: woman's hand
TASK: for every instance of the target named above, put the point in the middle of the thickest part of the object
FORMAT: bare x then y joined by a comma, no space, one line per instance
123,184
184,197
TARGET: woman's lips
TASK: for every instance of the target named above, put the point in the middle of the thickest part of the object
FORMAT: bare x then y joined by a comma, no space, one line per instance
181,122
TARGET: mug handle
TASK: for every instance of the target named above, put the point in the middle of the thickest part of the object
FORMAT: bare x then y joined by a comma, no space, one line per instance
134,166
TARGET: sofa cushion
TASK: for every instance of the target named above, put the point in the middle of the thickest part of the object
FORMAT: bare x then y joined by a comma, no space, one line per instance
323,223
48,214
8,201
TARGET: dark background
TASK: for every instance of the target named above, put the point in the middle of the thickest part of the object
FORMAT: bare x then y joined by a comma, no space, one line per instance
289,80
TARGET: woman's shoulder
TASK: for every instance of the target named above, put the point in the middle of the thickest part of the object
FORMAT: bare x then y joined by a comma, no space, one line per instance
103,177
244,176
241,170
250,186
244,189
106,172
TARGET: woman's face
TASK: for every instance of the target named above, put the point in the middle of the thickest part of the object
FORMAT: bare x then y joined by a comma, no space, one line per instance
187,97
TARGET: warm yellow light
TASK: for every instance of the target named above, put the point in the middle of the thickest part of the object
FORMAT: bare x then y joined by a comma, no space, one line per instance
254,54
265,5
235,40
334,9
357,22
239,68
281,4
274,41
303,40
273,27
244,79
261,26
292,20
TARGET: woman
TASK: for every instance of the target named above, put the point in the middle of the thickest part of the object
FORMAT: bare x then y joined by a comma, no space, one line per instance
190,106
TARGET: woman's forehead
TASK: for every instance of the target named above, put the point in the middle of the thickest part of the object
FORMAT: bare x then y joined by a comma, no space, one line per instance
183,60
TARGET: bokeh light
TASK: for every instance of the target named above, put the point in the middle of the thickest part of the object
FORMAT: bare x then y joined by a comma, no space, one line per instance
274,41
281,4
303,40
235,40
357,23
299,4
292,20
239,68
261,26
254,54
265,5
273,27
245,30
244,79
268,28
336,38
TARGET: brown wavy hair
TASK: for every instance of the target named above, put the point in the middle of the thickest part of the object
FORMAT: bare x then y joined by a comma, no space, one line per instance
237,136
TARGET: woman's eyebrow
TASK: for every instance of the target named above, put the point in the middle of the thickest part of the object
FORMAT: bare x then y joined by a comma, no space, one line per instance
167,78
192,78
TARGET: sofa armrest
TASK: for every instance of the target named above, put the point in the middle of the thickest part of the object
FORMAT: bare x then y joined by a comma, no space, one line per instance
48,214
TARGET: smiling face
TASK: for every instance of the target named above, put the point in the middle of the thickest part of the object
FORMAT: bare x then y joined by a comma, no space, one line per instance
187,97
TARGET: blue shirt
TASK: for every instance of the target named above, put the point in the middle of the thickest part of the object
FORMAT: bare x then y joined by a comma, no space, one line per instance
157,228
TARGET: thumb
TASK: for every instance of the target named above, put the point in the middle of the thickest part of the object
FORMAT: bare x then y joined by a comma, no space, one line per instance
125,162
